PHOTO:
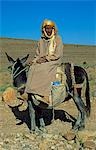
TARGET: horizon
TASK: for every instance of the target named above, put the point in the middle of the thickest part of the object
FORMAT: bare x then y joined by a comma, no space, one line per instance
75,20
13,38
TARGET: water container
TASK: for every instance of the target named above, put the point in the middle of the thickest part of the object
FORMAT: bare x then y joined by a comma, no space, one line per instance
56,83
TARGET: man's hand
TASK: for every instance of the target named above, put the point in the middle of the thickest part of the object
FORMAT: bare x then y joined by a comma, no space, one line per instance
41,60
30,63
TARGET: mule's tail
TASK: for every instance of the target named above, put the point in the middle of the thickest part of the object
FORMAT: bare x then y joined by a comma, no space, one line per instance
87,95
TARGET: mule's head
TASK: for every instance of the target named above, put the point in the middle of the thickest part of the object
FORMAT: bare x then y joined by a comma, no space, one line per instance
18,70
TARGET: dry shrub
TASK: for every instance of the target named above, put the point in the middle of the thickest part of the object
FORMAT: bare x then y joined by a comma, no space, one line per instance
9,95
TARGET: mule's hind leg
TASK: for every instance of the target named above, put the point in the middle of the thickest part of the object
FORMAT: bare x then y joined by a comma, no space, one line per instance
31,114
80,123
40,115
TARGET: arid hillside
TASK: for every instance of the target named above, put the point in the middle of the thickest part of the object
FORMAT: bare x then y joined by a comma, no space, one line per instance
14,121
72,53
78,54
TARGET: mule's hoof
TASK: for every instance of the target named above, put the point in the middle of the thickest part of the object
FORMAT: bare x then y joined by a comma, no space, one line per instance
78,127
43,129
32,131
81,127
75,128
36,131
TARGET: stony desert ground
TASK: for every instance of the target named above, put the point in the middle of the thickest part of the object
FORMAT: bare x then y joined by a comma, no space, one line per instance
14,121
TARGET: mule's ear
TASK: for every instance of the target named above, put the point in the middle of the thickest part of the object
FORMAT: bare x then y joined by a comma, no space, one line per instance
23,60
11,60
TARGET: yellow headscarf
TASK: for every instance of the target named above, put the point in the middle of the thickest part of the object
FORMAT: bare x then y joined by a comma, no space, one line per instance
45,23
48,22
51,38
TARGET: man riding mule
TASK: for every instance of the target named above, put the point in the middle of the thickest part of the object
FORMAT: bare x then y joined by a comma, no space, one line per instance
46,75
48,57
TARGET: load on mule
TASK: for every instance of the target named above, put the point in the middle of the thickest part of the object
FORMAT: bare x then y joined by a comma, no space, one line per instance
80,75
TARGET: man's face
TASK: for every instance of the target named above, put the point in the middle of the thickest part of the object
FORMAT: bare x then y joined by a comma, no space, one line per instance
49,30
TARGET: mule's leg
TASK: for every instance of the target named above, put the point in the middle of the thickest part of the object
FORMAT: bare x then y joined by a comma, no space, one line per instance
42,123
80,123
32,115
40,116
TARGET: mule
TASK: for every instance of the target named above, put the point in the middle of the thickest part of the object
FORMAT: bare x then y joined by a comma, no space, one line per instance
18,72
80,75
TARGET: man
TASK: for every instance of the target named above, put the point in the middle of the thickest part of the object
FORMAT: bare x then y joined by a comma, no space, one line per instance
44,66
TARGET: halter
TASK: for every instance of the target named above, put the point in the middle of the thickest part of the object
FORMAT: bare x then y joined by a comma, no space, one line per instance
15,74
19,72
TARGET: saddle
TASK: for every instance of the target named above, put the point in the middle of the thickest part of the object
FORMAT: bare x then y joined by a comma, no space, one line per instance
58,89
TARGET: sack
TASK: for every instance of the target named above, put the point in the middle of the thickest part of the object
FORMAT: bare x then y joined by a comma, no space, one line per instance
58,93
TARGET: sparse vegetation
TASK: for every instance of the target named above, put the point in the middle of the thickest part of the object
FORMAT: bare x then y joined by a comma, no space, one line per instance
13,136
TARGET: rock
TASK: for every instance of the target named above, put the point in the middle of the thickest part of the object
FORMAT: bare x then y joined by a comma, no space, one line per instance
7,141
43,145
53,147
69,147
90,145
31,137
48,136
1,143
70,136
91,138
26,147
55,137
84,135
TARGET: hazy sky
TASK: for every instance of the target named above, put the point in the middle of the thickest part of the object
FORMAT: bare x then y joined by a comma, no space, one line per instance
76,20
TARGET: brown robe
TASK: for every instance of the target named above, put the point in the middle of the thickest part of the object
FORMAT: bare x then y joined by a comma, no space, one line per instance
41,75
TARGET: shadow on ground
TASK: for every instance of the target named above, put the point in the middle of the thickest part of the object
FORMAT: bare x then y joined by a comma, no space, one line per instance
23,116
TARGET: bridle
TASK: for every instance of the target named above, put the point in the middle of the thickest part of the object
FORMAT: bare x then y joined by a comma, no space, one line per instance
16,73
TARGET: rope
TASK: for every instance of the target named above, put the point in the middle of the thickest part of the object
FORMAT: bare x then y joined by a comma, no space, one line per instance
19,72
16,71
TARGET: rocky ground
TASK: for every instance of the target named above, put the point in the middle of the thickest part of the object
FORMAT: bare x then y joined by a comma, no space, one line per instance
58,135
